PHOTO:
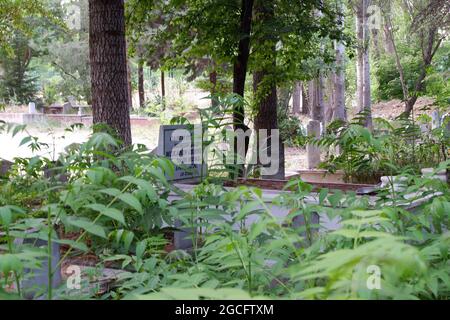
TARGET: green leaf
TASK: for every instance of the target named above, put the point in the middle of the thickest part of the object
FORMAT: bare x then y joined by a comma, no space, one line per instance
110,212
89,226
25,140
144,185
6,216
128,198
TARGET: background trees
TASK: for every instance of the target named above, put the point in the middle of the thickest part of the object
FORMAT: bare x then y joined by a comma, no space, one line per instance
329,55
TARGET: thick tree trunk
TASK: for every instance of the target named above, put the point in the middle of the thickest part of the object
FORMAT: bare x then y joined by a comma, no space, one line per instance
108,59
141,87
265,92
240,65
363,66
130,87
266,119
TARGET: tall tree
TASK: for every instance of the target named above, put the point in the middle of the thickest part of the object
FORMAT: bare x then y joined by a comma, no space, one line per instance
297,98
339,74
428,21
316,99
108,57
241,61
363,88
265,87
141,87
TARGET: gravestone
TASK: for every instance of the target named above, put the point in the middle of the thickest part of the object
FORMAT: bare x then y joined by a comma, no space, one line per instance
32,108
190,166
35,284
313,152
191,171
67,107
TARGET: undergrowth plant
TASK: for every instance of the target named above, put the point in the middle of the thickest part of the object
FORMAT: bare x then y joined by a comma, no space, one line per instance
118,205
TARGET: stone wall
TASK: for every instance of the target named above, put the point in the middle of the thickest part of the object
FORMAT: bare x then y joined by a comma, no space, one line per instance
66,119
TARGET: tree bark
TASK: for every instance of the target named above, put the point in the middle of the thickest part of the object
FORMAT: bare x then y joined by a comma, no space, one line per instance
141,84
305,100
108,59
129,86
316,102
266,118
339,112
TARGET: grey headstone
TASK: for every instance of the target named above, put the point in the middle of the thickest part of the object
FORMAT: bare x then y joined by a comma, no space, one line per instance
190,170
67,108
32,108
35,286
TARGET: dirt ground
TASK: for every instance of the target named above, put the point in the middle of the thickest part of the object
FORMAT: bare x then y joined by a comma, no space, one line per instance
390,109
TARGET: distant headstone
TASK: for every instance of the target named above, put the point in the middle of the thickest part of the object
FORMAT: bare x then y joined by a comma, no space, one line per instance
32,108
188,166
313,152
67,107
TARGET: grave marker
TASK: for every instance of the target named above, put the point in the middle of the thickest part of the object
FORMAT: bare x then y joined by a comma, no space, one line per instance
189,166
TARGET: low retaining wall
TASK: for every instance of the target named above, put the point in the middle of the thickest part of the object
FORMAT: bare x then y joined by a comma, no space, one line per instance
67,119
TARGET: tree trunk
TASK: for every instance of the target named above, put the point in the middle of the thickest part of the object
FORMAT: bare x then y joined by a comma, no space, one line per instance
108,61
339,84
376,44
305,100
266,119
363,66
213,83
316,102
141,87
240,65
265,91
129,86
297,98
163,84
330,102
339,112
